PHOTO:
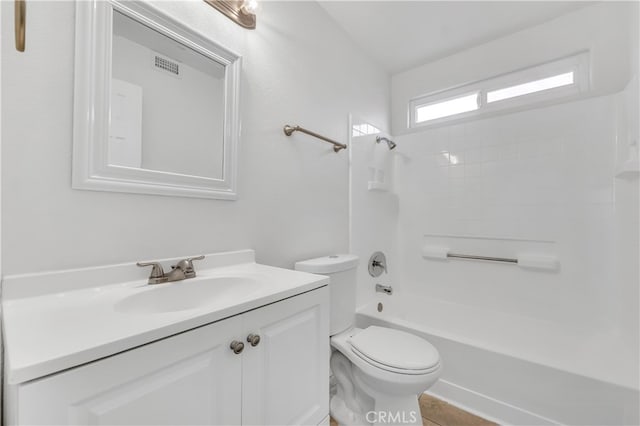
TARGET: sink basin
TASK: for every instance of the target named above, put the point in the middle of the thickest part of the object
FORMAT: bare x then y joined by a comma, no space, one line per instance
187,294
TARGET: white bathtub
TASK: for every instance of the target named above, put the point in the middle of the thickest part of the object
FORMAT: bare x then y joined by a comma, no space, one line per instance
518,370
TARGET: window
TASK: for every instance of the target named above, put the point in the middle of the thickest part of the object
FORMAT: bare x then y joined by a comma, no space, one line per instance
441,109
553,80
363,130
531,87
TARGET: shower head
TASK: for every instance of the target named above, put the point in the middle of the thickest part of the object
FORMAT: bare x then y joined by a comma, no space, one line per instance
391,144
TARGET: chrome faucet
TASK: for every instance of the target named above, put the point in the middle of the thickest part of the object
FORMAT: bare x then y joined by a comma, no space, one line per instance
180,271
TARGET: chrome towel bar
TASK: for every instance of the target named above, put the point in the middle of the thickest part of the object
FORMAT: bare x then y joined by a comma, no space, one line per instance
488,258
525,260
288,130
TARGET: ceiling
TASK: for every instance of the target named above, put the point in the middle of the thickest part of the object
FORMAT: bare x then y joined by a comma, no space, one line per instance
400,35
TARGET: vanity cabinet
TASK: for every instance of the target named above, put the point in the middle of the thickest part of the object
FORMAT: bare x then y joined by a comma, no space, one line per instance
196,378
285,377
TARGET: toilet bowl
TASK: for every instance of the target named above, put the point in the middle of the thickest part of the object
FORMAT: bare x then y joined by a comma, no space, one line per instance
379,372
390,367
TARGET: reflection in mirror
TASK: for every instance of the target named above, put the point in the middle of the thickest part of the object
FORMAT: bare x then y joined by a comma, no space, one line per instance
167,104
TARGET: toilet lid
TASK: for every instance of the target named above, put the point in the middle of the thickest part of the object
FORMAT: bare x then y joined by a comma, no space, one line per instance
394,348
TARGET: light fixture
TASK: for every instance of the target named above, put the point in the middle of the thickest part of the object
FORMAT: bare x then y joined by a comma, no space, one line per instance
242,12
249,7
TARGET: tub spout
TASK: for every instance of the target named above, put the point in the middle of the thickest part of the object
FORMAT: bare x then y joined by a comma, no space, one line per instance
384,289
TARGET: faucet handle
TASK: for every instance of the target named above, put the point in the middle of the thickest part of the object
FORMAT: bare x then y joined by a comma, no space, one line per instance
187,266
191,259
377,264
157,273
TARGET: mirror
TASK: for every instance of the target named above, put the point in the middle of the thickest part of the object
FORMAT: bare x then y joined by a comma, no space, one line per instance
155,105
157,83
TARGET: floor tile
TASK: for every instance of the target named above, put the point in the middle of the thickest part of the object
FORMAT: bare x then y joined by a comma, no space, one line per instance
436,412
444,414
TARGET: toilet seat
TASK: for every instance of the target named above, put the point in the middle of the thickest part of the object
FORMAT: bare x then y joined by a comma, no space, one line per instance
378,379
395,351
394,369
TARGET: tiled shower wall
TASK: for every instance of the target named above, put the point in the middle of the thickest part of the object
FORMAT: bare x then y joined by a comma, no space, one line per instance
539,181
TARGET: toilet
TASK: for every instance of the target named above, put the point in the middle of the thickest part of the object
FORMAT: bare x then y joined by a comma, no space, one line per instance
379,371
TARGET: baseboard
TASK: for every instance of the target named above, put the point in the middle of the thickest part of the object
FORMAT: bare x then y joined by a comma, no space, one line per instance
485,406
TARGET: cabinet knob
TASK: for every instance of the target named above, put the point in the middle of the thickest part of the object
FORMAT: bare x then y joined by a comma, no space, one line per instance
254,339
237,346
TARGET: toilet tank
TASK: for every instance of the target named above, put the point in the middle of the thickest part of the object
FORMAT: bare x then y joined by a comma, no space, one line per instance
341,269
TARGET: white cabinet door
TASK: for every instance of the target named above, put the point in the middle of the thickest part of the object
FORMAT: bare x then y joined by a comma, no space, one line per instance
190,378
285,378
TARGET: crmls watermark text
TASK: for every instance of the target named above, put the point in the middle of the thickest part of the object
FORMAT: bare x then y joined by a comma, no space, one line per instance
398,417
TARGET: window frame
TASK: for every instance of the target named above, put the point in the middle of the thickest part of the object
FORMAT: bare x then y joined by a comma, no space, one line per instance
577,63
437,99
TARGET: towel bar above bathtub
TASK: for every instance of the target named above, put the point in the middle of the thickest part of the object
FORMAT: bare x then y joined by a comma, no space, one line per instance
489,258
525,260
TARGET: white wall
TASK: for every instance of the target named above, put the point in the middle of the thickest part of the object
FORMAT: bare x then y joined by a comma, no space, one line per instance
627,192
534,181
298,68
373,214
195,100
627,196
602,28
2,31
539,182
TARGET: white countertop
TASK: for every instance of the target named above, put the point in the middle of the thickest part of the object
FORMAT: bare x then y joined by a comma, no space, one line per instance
61,329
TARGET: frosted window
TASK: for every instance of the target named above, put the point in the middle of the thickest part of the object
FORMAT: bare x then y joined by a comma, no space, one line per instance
560,80
447,108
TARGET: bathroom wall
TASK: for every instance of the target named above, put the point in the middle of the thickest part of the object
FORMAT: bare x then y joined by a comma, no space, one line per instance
373,212
195,99
536,181
298,68
539,182
1,325
627,213
602,28
627,191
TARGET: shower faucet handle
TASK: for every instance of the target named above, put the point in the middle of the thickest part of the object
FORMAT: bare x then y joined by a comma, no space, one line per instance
377,264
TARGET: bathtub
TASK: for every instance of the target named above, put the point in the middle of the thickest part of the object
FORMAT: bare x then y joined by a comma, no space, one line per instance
519,370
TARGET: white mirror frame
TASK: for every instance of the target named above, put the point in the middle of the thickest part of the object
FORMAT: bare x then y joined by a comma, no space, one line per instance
92,98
